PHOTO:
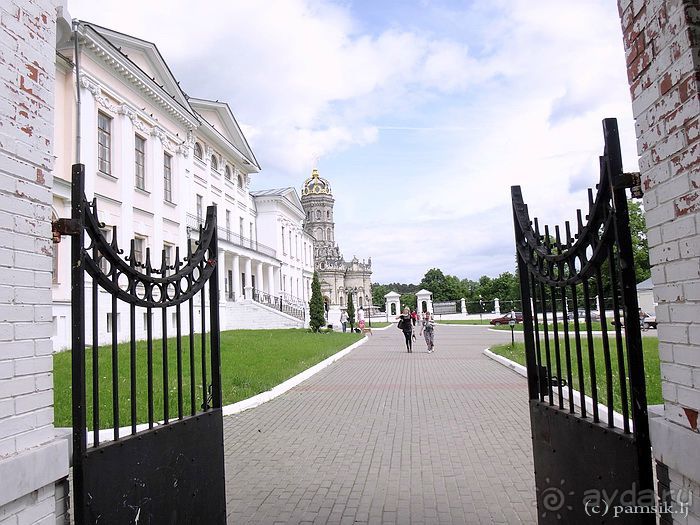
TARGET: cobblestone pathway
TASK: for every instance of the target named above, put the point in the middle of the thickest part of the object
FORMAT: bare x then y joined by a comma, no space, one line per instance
383,436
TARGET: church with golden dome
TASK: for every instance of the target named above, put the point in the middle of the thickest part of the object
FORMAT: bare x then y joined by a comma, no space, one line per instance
339,278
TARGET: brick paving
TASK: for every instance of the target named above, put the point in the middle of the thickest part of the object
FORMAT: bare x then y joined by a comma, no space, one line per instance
383,436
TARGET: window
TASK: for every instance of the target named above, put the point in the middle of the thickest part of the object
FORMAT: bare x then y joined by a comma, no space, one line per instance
54,267
139,246
168,254
140,162
284,247
308,215
168,177
214,163
328,214
198,152
104,143
199,209
290,244
227,173
228,225
240,228
145,320
240,181
251,234
111,325
318,214
328,234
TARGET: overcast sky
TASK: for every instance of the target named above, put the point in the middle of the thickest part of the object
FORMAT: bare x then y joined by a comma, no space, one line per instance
420,113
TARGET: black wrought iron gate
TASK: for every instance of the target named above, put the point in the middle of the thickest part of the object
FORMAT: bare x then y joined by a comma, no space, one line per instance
166,465
592,464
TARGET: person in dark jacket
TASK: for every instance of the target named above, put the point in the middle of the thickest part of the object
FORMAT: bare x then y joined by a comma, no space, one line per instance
407,328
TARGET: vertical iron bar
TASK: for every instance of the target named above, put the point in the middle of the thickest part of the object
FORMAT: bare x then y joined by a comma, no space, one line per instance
545,335
557,349
149,343
178,336
538,353
606,348
132,343
78,344
214,311
591,351
202,301
633,336
95,357
193,406
577,329
164,322
622,376
115,362
532,370
567,349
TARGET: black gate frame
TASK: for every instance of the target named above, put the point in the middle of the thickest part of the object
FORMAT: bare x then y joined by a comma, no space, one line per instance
172,472
577,455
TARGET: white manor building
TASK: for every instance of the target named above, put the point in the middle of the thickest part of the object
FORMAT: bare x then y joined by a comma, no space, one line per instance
154,159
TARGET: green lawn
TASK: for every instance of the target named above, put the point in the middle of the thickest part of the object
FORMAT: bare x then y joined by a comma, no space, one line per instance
651,366
252,361
376,324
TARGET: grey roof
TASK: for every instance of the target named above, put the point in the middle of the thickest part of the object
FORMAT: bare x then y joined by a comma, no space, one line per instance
276,191
645,285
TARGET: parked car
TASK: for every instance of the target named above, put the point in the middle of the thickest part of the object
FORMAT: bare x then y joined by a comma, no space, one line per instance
505,319
581,313
649,322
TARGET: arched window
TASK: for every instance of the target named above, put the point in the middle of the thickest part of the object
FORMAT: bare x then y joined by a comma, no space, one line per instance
308,215
318,214
214,163
328,214
328,235
240,180
227,173
198,153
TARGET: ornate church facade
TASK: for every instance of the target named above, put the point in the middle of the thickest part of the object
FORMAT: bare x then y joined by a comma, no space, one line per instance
339,278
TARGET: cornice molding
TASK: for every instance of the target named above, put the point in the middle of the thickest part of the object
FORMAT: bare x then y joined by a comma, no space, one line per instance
138,120
138,79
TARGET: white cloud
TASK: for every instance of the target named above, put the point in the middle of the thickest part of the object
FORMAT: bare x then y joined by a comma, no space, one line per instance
496,93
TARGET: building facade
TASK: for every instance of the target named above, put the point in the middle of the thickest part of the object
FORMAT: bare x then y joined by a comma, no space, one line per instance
155,158
339,278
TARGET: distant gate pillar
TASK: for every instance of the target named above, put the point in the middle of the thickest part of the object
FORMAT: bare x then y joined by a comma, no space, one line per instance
496,306
424,301
463,305
393,304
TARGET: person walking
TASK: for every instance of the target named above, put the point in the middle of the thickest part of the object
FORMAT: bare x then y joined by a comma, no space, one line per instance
428,331
406,326
344,320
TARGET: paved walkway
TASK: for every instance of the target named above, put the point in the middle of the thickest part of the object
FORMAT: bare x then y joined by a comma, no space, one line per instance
383,436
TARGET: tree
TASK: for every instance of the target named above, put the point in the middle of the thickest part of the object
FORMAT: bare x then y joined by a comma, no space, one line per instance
317,316
640,246
378,293
408,299
444,287
351,312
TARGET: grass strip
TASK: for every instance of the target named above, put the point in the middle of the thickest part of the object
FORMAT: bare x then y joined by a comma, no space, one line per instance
652,368
252,361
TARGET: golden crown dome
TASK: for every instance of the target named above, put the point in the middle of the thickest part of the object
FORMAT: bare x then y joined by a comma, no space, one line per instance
316,185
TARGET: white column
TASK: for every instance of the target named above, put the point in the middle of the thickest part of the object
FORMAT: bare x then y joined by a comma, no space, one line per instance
237,277
248,285
259,280
271,280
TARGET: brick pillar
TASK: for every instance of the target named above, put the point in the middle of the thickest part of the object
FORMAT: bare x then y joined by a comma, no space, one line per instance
32,458
662,44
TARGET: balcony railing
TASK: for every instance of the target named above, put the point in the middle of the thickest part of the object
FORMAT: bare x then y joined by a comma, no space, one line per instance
228,235
280,303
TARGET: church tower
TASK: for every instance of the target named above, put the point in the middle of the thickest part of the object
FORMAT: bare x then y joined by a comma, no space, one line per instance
317,201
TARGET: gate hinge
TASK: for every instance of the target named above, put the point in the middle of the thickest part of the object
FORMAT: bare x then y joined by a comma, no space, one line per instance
64,227
631,180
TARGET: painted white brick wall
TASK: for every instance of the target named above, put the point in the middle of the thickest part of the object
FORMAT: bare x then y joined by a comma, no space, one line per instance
32,459
661,47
